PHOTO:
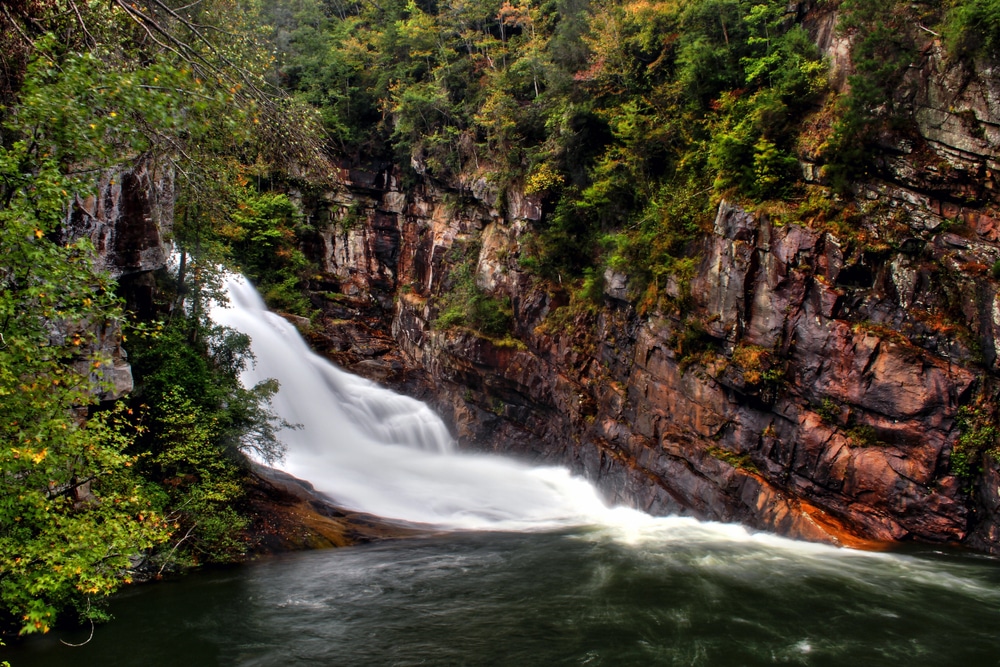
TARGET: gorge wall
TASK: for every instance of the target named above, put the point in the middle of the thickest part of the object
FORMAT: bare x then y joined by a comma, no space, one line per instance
801,375
805,377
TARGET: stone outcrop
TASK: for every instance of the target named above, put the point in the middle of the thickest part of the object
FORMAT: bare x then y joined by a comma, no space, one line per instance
805,381
128,221
287,514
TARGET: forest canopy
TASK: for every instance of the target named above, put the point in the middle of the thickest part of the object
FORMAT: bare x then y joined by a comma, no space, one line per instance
628,118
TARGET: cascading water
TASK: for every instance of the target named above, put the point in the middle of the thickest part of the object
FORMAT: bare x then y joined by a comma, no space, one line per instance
376,451
619,588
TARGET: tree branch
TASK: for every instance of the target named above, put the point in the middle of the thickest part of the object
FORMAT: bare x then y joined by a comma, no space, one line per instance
83,25
171,554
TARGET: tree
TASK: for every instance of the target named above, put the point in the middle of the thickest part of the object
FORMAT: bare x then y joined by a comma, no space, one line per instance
72,514
98,89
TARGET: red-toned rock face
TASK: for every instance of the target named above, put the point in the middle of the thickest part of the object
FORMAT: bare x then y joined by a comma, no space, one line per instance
802,384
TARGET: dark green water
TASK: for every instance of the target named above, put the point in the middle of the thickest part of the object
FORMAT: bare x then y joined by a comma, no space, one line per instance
680,594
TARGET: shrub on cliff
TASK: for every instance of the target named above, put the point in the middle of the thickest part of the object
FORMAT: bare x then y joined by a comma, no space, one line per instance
465,304
972,29
978,437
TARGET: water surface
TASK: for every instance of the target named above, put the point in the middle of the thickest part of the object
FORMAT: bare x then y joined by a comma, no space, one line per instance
683,593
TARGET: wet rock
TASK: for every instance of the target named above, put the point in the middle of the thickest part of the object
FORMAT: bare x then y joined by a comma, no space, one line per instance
288,514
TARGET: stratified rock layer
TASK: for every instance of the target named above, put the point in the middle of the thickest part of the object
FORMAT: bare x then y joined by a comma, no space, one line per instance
806,380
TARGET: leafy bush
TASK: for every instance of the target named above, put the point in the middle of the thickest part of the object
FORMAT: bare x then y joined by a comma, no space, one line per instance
978,435
972,29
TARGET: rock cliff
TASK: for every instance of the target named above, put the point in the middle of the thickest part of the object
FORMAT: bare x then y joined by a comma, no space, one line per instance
128,220
804,378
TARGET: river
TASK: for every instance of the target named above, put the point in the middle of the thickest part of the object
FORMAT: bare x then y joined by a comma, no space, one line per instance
682,593
527,566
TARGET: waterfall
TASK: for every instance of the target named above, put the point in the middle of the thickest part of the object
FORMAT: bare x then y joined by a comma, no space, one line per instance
372,450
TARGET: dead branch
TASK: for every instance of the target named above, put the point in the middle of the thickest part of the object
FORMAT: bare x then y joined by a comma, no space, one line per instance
83,24
171,554
91,632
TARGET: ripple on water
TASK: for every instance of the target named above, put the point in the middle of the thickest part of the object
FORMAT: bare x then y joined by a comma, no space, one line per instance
577,597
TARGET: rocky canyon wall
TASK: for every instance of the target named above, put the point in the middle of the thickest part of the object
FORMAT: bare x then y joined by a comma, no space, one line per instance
805,380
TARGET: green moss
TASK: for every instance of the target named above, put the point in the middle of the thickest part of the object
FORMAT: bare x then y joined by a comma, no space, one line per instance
978,433
740,461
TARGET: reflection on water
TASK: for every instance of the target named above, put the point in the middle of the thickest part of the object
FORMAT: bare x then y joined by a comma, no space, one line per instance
682,594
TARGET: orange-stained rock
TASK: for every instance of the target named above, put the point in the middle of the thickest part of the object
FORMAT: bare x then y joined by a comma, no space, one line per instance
842,434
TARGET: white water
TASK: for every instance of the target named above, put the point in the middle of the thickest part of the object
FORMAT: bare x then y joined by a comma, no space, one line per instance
376,451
